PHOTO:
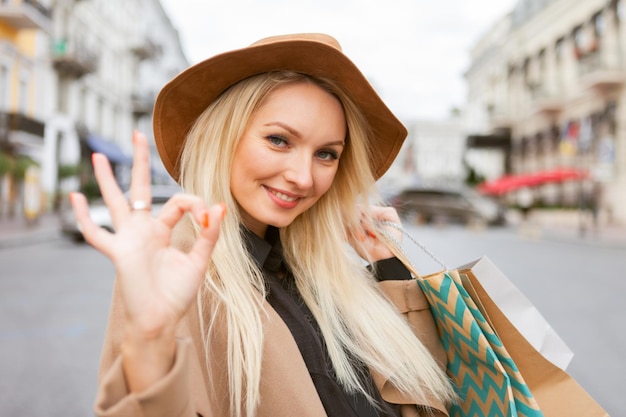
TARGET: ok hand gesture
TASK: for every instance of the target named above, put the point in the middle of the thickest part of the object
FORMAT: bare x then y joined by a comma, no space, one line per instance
157,281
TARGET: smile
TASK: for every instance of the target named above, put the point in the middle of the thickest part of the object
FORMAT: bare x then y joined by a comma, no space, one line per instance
282,196
285,201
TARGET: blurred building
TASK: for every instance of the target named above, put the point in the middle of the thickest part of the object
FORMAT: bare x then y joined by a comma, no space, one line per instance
162,58
78,76
24,26
546,90
432,155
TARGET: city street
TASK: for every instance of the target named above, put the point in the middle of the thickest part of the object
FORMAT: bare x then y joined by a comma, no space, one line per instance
54,298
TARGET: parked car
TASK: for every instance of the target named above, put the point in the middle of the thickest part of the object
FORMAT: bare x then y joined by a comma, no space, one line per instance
448,205
99,212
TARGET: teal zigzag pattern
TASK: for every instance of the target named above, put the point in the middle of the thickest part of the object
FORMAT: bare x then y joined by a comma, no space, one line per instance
524,401
483,384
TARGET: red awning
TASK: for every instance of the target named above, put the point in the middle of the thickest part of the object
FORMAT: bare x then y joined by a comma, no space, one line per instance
514,182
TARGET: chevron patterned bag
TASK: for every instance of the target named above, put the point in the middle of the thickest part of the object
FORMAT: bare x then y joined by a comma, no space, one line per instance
487,380
483,350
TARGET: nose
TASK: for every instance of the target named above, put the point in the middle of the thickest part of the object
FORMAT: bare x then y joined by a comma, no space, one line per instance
299,171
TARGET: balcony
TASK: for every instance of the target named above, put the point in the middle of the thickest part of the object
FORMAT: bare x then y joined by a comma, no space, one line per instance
72,59
146,49
13,122
25,14
143,103
500,117
545,100
597,70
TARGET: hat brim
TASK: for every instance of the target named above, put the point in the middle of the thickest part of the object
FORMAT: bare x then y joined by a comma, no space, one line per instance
184,98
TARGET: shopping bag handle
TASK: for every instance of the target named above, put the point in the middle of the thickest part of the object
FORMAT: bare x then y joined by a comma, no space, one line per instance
395,246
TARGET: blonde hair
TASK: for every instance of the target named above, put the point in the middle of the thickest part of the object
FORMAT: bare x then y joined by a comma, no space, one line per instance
356,321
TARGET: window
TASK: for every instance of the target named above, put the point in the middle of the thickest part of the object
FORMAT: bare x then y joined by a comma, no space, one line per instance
558,48
541,144
555,138
598,24
4,87
541,63
526,71
23,95
577,36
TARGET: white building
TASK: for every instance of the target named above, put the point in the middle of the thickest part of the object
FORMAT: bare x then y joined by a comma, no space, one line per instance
551,75
164,59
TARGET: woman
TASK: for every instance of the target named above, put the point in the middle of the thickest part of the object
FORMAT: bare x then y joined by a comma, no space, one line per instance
243,298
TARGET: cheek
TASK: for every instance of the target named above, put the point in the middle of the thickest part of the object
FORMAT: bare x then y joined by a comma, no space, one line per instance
324,182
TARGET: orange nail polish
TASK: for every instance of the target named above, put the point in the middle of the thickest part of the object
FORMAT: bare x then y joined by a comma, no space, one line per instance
371,234
223,209
205,220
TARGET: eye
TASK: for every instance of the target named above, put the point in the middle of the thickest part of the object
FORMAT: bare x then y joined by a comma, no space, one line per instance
328,155
277,140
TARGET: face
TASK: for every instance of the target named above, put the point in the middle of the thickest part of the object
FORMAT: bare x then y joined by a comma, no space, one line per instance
288,155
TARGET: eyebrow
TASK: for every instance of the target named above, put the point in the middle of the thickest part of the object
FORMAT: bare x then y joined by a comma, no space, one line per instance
297,134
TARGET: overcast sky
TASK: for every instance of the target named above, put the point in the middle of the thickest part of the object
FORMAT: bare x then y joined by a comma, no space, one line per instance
413,51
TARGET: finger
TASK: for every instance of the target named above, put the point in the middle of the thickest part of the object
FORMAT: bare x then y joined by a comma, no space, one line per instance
385,214
93,234
109,188
367,228
140,174
178,204
210,232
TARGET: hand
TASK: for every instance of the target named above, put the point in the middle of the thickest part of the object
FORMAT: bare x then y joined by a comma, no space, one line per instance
157,282
366,240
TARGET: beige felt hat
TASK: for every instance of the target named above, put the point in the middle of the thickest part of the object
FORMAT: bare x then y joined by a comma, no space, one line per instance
185,97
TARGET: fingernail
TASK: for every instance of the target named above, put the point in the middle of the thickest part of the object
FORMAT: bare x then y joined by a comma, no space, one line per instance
371,234
223,209
205,220
72,196
360,237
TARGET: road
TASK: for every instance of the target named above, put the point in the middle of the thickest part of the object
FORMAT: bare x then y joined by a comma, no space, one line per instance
54,298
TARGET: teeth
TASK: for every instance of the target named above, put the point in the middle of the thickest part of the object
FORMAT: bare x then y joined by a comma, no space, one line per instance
284,197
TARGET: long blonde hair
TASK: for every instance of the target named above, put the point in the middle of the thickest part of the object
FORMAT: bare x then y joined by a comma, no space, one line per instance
355,319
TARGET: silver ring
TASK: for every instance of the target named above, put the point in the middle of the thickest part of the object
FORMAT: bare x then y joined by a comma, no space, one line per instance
139,205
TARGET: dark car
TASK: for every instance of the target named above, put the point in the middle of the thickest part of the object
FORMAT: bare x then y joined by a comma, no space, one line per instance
465,206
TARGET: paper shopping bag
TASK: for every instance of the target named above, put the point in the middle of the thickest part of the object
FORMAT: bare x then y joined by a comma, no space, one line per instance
487,380
557,393
497,370
522,314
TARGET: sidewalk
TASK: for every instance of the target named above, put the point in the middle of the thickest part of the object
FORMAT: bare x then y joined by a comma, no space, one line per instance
569,226
16,232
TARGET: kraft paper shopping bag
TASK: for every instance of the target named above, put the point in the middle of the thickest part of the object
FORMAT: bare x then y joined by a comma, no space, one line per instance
556,392
506,375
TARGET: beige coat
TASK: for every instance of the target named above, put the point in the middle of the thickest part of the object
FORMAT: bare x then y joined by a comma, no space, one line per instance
286,387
